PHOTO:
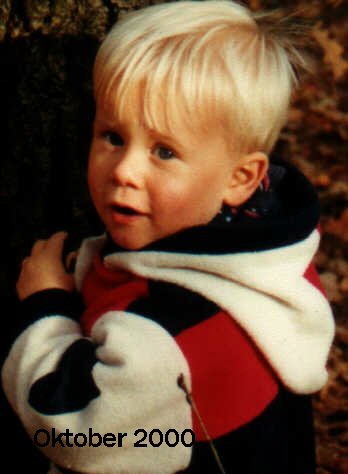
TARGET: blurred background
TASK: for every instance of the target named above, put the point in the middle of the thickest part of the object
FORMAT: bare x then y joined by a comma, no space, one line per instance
47,49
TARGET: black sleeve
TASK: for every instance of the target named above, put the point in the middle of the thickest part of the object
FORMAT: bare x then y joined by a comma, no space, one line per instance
46,303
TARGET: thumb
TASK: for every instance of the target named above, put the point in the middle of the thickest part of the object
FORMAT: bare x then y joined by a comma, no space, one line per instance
55,244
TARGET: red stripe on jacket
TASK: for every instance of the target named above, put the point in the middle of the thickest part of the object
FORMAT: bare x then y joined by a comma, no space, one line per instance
108,290
231,381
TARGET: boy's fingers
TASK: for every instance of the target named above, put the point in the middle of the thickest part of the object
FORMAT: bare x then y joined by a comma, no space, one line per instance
55,244
70,260
38,246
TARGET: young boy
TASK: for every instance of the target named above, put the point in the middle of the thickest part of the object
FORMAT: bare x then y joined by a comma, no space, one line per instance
202,310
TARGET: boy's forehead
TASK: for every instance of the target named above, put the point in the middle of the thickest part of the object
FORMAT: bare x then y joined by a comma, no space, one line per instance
108,115
108,112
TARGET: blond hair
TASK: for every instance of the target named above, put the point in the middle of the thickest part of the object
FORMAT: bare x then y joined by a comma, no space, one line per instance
210,64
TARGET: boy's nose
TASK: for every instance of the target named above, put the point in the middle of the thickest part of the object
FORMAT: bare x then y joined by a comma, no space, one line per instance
129,170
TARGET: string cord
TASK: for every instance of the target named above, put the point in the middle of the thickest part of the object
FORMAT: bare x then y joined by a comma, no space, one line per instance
190,400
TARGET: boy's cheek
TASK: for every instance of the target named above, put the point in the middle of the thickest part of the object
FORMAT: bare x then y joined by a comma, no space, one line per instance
95,180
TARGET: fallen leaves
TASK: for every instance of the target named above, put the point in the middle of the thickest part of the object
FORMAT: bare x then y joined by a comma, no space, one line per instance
333,52
338,226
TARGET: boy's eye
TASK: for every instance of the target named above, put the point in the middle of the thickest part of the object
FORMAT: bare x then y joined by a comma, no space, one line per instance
164,153
113,138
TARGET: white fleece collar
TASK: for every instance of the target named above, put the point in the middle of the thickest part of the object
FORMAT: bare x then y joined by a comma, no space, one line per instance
265,292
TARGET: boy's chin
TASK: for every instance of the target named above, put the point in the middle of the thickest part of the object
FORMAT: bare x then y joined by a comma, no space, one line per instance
130,243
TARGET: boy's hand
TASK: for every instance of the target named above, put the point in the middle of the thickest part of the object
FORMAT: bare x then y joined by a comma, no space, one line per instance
44,268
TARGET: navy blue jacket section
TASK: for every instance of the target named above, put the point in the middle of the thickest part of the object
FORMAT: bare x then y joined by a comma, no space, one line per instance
71,386
46,303
279,441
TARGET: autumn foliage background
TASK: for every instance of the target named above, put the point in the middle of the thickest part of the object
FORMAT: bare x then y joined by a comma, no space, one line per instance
46,56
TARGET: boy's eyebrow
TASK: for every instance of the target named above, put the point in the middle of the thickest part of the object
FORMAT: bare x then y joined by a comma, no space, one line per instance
166,138
105,121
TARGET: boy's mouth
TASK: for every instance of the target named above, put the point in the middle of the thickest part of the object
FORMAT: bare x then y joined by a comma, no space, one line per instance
125,210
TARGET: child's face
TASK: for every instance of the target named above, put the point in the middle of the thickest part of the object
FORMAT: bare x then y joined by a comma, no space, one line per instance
146,186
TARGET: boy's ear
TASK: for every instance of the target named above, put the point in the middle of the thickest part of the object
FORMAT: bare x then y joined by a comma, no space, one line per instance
246,175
